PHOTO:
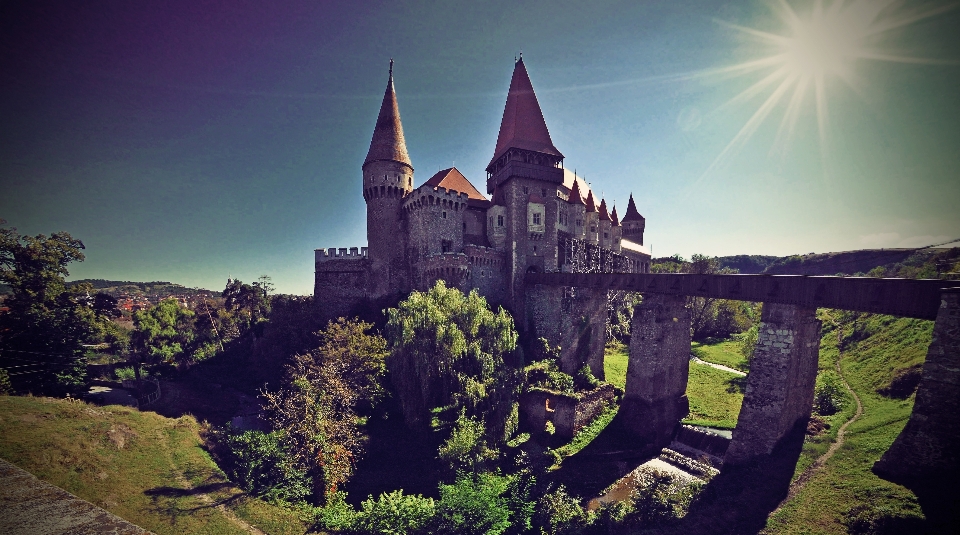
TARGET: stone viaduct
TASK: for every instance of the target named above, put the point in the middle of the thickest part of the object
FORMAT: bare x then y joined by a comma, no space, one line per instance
780,385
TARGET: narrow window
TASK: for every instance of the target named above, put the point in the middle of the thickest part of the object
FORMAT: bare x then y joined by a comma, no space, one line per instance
526,190
499,220
443,215
536,218
543,192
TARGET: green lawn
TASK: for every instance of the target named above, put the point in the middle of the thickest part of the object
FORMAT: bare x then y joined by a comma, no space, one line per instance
714,401
845,485
725,352
137,465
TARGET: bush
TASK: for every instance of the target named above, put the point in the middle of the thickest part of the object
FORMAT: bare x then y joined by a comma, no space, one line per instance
466,448
474,505
830,395
261,464
394,513
559,513
585,379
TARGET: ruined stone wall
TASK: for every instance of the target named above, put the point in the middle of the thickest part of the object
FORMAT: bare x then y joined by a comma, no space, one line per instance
783,372
654,399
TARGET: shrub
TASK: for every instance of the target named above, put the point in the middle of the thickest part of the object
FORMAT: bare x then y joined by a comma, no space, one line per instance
585,379
394,513
262,464
829,396
474,505
559,513
5,387
466,448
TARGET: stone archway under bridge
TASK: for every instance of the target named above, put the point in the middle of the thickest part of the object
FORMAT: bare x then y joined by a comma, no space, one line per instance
779,391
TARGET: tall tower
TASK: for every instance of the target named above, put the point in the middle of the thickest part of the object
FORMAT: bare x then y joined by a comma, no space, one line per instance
633,223
526,172
387,178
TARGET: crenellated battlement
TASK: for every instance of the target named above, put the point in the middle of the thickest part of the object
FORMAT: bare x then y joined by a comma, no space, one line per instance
439,197
342,253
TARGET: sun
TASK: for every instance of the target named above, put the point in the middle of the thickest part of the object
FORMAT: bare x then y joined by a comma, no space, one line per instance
817,44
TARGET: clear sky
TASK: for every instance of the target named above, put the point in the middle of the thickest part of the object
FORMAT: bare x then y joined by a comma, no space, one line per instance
194,140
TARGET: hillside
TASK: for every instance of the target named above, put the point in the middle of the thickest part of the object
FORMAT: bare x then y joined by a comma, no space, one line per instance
145,468
146,289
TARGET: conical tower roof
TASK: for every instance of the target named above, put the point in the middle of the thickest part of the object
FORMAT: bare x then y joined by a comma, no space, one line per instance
613,216
632,213
575,197
523,126
591,204
604,216
388,142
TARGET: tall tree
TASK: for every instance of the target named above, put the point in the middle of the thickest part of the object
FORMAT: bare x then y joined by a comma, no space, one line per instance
449,350
163,333
42,332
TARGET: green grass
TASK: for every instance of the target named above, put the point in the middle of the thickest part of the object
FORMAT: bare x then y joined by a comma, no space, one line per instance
712,403
846,482
724,352
615,365
714,398
134,464
588,433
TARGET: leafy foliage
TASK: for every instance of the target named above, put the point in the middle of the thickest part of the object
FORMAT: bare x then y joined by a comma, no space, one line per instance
163,333
476,504
829,395
316,408
394,513
263,465
466,449
449,350
46,324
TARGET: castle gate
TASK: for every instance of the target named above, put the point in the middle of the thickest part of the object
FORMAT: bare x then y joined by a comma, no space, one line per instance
780,385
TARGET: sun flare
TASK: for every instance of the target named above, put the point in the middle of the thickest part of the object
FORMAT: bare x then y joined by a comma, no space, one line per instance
815,45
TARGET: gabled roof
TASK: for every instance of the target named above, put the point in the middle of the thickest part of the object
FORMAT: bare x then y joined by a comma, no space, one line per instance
388,143
591,205
575,197
604,216
613,216
453,179
522,125
632,213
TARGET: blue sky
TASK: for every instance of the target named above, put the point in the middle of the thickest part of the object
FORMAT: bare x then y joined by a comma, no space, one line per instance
194,140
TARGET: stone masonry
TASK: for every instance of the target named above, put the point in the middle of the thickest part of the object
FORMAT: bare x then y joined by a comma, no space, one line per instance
781,381
927,450
655,399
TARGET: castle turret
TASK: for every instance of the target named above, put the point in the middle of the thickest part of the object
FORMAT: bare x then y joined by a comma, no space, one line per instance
605,223
387,178
576,210
633,223
592,220
616,231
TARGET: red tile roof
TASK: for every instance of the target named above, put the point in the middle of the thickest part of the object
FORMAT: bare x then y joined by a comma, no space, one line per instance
388,142
453,179
591,205
575,197
632,213
604,216
613,216
523,126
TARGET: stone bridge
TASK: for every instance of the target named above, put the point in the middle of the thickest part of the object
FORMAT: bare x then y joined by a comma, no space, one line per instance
780,386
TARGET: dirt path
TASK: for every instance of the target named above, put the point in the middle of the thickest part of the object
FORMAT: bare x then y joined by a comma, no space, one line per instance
205,498
797,485
718,366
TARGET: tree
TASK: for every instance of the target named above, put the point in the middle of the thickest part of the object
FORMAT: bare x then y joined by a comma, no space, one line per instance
448,352
45,325
250,302
316,407
163,334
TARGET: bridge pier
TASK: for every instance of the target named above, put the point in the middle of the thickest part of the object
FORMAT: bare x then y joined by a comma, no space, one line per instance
655,397
926,453
780,385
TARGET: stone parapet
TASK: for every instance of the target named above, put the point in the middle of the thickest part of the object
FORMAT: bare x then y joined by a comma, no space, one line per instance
341,253
783,372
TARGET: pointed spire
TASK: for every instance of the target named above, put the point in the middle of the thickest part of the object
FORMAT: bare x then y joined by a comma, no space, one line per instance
604,216
613,216
522,125
591,204
632,213
575,197
388,142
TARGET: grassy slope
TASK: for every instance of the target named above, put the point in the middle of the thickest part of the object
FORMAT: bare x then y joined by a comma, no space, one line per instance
713,399
725,352
76,447
846,482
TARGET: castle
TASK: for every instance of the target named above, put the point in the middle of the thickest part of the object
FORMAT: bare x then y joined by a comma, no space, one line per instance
540,217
